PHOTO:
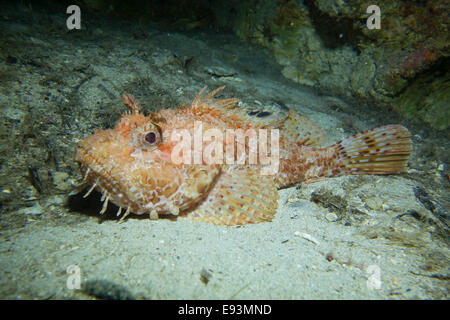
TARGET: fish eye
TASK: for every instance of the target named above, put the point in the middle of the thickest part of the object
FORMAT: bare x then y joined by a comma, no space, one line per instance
147,137
150,137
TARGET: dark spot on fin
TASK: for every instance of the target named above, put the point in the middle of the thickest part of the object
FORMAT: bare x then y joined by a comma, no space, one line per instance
263,114
259,114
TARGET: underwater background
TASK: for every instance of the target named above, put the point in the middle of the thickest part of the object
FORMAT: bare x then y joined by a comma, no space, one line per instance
350,237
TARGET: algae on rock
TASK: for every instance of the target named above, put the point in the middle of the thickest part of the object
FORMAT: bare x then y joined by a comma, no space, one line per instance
427,98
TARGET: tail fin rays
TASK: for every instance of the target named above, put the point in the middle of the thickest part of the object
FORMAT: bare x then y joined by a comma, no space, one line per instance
384,150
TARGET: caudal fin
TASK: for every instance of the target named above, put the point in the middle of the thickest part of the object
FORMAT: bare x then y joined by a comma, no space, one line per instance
384,150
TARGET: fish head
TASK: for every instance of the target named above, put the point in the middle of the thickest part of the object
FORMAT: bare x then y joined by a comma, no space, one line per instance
132,166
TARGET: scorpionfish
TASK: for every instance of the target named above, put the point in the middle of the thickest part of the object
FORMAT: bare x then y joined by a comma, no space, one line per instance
132,165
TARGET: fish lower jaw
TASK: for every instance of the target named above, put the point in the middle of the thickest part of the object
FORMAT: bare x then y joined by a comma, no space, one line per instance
111,191
110,194
124,204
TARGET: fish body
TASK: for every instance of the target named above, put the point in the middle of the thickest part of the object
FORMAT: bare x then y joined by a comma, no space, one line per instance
170,163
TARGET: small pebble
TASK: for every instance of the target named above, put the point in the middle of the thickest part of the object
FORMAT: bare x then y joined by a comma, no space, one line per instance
307,236
205,276
331,216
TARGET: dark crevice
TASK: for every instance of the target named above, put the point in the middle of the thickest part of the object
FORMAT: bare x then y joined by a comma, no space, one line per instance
334,32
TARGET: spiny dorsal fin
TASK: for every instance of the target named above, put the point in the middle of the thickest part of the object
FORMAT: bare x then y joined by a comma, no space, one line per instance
236,111
207,101
240,196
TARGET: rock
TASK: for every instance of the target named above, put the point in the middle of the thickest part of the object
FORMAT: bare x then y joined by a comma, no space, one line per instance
62,181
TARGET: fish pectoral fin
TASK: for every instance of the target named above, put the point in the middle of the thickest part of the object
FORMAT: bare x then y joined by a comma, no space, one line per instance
240,196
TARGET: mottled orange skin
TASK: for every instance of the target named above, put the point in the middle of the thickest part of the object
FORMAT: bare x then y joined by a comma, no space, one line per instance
144,179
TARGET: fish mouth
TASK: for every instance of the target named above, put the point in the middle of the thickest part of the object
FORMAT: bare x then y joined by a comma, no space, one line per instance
93,162
107,187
